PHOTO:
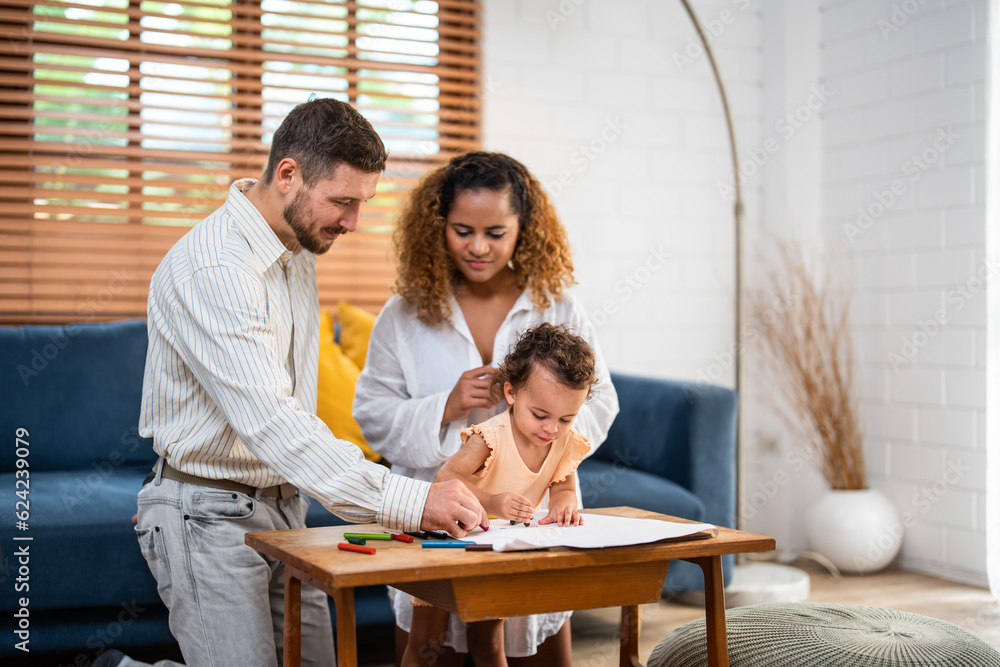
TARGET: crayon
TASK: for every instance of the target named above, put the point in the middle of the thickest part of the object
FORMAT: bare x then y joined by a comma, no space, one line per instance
356,540
399,537
370,536
429,534
343,546
479,547
458,544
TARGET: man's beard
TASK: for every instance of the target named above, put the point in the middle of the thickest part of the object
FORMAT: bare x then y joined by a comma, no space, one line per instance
293,214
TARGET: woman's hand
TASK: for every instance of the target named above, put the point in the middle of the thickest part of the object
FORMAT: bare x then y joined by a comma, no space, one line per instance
564,515
510,506
471,391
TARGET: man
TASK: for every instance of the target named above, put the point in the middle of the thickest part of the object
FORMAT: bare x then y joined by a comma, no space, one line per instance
229,398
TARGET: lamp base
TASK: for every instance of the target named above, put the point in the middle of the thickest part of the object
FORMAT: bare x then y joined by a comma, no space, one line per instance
757,583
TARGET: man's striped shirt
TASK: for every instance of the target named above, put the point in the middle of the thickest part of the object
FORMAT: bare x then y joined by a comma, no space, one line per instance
229,390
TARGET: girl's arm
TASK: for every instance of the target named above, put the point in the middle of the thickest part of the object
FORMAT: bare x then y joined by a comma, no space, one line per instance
562,504
468,460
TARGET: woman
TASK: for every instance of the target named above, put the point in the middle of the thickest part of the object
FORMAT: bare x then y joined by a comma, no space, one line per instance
482,256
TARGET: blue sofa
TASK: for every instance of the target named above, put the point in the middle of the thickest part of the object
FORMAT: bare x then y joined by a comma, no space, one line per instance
75,391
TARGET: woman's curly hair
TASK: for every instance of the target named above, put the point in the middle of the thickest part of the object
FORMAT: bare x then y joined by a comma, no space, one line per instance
566,355
425,272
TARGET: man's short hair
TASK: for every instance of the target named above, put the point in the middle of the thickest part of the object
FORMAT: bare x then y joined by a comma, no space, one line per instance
322,134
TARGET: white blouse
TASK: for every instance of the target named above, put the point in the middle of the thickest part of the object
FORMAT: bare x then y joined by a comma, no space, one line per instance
399,403
412,367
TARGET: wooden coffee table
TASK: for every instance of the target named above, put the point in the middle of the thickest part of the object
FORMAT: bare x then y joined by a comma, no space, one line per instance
480,585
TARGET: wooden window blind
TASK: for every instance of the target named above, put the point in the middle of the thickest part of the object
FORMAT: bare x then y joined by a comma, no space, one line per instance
123,122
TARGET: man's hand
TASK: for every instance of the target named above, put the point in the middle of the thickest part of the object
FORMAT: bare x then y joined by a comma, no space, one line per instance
453,508
471,391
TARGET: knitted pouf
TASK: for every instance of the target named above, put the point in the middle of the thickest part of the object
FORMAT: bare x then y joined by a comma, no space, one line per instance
809,634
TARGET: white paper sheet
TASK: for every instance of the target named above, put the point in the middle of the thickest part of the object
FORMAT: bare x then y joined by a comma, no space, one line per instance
597,531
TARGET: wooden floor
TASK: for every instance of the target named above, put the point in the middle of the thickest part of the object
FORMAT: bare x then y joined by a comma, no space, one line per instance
595,641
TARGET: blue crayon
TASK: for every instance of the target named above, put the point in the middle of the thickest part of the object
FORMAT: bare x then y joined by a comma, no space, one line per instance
459,544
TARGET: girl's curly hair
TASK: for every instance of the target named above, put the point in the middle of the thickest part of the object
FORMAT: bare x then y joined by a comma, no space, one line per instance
425,272
566,355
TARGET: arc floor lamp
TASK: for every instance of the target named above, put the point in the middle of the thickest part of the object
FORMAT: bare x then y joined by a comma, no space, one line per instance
740,304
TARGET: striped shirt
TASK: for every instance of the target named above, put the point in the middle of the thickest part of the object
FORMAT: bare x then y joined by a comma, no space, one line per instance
229,390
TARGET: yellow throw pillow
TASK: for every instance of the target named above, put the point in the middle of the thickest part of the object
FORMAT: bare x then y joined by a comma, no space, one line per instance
355,330
335,401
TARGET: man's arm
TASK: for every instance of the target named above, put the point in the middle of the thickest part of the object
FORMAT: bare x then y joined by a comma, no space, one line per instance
219,326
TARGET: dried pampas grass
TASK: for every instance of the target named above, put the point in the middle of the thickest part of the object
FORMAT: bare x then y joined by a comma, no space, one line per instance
803,330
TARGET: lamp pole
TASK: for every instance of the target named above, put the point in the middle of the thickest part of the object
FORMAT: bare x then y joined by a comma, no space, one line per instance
738,233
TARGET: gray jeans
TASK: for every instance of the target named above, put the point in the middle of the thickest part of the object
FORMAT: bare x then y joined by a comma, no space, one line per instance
226,600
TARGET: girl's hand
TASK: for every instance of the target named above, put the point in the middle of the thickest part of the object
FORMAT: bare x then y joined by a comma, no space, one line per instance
564,515
511,506
471,391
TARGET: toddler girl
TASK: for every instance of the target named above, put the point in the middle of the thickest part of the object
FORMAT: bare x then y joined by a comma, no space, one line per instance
510,461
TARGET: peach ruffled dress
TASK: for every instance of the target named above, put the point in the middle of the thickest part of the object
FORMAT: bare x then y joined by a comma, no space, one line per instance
504,471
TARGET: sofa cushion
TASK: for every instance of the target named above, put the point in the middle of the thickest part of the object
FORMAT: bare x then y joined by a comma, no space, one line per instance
355,329
83,551
336,378
604,484
654,409
77,389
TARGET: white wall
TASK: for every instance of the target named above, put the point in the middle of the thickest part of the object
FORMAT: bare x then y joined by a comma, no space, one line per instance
904,139
600,100
566,74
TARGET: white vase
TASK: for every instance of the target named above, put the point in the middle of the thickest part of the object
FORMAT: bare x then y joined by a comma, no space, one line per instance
859,531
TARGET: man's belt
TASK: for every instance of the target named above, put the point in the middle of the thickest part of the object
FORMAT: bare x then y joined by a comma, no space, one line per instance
282,491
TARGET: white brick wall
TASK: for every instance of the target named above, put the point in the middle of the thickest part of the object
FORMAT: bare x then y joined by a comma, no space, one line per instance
566,72
900,84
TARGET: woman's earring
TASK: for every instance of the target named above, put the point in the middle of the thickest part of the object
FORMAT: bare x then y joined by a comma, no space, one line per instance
510,264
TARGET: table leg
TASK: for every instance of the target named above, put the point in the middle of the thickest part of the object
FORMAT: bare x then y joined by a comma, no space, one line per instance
629,652
347,640
715,611
293,619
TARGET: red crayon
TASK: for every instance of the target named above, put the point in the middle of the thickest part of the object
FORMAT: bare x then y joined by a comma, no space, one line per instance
401,538
344,546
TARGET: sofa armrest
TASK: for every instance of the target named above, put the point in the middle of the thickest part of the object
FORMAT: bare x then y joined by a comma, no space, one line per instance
682,431
713,450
